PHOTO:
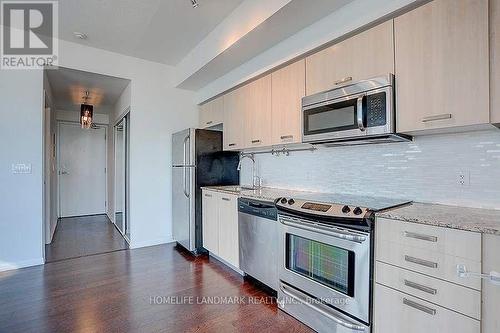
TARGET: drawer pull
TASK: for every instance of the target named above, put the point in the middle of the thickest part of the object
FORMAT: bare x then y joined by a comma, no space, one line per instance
286,137
208,195
255,141
226,199
232,144
418,306
420,287
421,236
209,122
437,117
344,80
421,262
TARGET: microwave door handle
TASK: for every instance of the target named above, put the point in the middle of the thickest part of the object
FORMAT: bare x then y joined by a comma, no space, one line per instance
359,113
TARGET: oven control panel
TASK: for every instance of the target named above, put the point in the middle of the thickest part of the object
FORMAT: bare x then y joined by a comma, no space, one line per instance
322,209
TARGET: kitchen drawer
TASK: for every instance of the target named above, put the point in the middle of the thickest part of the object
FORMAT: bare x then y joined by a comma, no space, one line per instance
459,243
396,312
449,295
428,262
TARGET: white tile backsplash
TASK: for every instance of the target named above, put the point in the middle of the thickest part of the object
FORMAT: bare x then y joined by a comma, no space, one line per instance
425,170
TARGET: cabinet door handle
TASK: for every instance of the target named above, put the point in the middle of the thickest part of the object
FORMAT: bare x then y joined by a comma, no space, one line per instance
421,262
226,199
419,306
420,287
286,137
208,195
443,116
255,141
420,236
344,80
232,144
209,122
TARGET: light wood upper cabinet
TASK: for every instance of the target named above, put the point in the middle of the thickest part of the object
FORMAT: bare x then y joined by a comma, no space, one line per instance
234,111
366,55
257,113
210,221
228,229
212,113
495,60
441,52
288,88
491,293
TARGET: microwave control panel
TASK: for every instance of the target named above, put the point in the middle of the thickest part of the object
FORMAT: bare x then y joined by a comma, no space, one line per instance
376,109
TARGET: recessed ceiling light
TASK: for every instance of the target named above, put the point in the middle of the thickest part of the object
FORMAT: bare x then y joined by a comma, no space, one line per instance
194,3
80,35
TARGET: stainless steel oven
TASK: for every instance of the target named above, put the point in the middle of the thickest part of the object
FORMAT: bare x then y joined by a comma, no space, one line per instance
360,112
325,265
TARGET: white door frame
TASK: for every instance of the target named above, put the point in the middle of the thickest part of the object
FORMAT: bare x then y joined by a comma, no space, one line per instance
125,115
59,123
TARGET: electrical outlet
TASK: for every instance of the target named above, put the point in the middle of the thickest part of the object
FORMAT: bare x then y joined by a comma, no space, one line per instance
463,178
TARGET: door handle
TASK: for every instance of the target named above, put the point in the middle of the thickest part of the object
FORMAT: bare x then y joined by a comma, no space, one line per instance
420,236
64,173
359,113
420,287
437,117
419,306
421,262
344,80
186,193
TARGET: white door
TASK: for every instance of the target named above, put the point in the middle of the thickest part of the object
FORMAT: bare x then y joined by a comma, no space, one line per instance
82,174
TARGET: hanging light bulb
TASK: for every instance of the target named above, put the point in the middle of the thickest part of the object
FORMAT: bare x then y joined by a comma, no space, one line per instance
86,113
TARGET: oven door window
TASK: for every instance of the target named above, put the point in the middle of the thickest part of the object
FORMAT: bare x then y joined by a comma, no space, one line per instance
326,264
334,117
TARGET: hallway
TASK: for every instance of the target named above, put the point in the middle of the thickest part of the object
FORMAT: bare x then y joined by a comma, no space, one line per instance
83,236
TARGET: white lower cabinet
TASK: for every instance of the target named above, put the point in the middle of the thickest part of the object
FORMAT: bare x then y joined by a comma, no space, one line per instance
397,312
220,225
417,288
491,292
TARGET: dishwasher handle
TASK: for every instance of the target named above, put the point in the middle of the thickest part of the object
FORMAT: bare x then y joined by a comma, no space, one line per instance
257,208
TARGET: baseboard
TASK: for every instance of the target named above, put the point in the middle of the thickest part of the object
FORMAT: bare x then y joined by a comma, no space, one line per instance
152,242
4,266
111,217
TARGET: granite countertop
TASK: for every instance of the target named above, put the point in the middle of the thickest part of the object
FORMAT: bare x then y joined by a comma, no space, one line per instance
264,193
470,219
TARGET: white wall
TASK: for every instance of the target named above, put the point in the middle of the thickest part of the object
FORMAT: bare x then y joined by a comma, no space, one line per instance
157,111
425,170
21,195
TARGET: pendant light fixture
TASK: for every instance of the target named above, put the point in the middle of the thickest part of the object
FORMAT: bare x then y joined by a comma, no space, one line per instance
86,112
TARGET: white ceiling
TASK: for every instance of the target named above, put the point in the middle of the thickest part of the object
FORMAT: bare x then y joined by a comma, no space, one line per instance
68,88
158,30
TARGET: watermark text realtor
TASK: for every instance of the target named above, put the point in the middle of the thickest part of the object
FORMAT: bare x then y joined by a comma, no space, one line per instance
29,34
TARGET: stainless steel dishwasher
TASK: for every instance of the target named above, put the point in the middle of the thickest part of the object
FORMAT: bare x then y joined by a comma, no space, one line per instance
258,233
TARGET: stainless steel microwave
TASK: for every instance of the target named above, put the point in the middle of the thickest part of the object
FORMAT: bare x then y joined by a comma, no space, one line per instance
355,113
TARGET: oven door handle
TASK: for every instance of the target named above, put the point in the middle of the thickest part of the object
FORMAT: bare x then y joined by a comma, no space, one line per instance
338,234
360,114
329,313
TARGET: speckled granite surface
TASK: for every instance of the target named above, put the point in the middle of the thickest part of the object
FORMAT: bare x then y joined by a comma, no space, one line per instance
264,193
470,219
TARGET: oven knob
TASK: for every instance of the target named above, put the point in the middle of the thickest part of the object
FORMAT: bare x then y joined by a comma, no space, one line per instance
283,201
346,209
357,211
291,202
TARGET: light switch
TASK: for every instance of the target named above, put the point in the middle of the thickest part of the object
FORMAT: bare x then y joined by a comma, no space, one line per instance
21,168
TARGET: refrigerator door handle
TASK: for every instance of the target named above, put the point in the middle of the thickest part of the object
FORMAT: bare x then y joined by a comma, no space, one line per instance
184,173
186,149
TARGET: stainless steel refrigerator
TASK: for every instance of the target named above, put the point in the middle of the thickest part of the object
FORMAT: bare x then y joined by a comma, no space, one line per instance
197,160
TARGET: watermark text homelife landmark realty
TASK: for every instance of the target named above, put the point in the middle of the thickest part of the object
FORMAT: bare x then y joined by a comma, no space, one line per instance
29,34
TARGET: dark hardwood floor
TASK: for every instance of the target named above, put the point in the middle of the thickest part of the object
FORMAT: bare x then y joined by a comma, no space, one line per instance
82,236
117,291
